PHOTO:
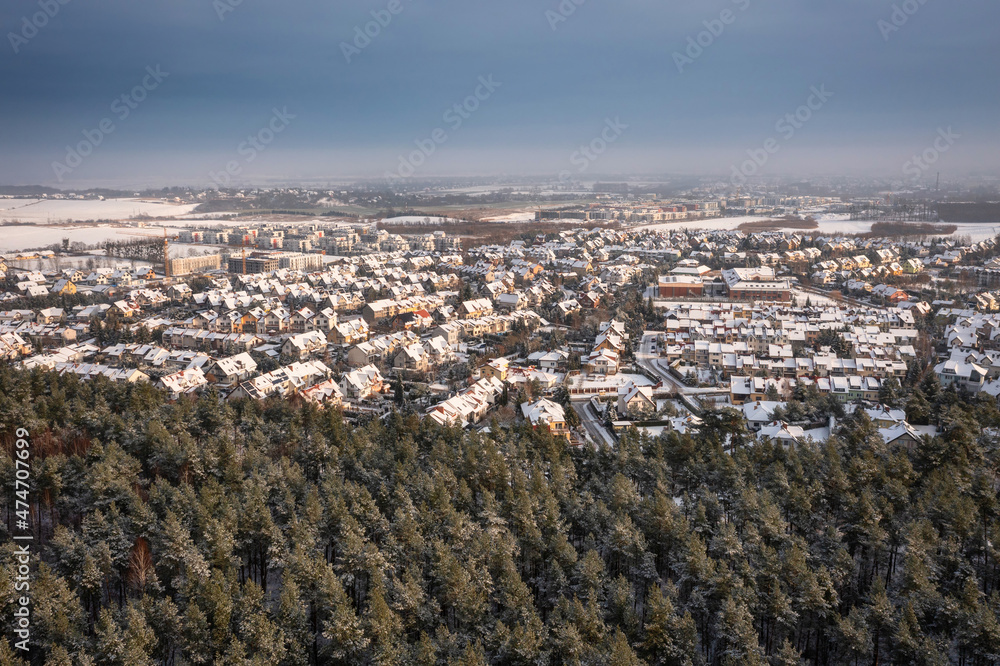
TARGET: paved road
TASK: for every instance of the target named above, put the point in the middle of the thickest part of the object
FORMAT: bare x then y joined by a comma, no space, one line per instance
594,427
652,362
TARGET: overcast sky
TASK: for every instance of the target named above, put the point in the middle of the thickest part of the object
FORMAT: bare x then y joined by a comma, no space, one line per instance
560,81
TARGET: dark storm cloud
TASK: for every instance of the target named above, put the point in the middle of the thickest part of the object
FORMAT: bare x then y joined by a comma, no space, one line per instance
561,80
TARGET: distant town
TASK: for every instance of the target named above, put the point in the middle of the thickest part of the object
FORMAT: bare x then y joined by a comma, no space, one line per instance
615,313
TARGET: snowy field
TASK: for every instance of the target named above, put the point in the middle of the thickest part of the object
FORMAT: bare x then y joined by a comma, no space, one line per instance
711,224
829,223
83,262
525,216
209,221
801,297
16,238
418,220
42,211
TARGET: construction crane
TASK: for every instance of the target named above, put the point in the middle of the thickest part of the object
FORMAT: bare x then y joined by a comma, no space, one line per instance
243,250
166,246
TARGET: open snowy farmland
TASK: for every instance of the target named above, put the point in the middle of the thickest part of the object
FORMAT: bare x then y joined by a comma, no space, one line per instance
43,211
829,223
14,238
85,261
709,224
525,216
24,237
418,220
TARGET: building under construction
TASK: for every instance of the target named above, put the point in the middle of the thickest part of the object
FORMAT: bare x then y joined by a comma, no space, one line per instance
253,264
189,265
265,262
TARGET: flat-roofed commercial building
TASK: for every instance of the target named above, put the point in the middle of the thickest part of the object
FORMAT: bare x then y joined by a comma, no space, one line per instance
777,290
680,286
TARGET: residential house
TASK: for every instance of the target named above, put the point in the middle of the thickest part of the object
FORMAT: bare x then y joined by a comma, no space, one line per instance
636,402
547,414
362,384
304,345
228,372
184,382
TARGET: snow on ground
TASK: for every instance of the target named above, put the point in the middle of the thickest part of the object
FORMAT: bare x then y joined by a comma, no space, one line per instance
818,434
816,299
83,262
979,231
524,216
840,223
208,221
829,223
610,383
418,220
16,238
42,211
710,224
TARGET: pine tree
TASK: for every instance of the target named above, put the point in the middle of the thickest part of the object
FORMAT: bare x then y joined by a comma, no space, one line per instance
110,645
398,394
57,615
140,637
735,636
564,637
472,656
343,628
9,657
664,634
912,645
622,653
384,628
888,393
855,634
262,636
182,563
196,641
424,652
293,620
787,655
880,616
